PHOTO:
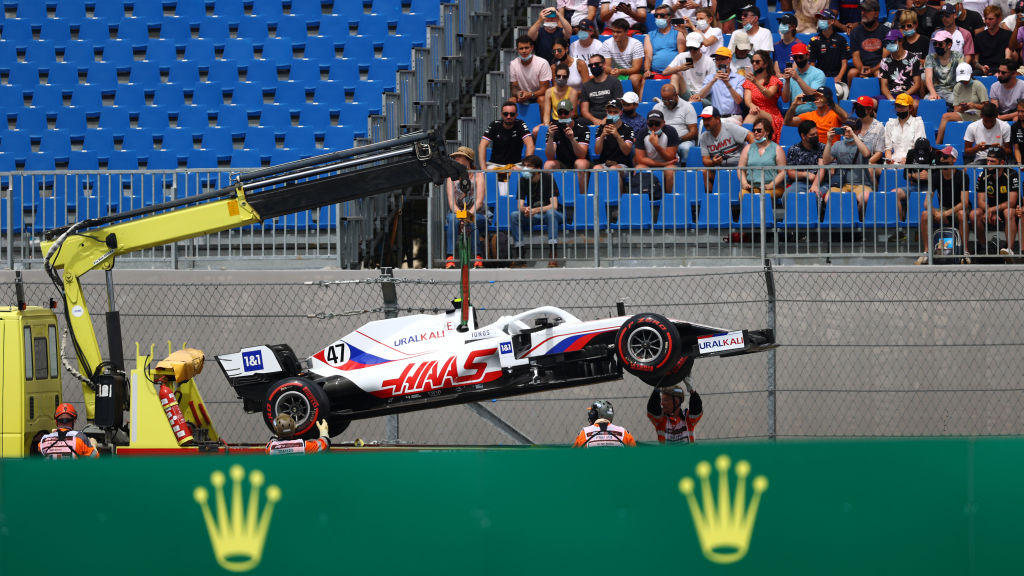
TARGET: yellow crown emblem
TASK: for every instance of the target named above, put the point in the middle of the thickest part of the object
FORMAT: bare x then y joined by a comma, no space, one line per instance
723,526
237,536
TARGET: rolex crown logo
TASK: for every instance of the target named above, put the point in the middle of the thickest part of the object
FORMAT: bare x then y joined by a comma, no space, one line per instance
237,535
724,525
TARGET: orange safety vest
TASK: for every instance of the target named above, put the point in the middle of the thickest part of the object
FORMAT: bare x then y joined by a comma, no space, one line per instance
674,429
594,436
72,445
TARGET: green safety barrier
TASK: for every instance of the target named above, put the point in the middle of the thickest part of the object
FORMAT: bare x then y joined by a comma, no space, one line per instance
950,506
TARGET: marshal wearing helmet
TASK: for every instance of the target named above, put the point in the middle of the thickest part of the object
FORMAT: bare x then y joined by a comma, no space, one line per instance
671,421
601,431
64,442
285,442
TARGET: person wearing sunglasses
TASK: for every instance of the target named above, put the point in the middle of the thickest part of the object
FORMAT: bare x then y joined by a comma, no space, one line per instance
761,92
990,44
963,40
578,71
901,71
598,91
914,39
1007,90
826,115
658,145
549,26
662,44
560,92
568,143
762,164
509,137
997,190
801,79
928,17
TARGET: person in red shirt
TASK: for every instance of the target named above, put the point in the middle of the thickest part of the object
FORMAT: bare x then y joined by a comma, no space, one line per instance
665,410
601,431
65,443
285,443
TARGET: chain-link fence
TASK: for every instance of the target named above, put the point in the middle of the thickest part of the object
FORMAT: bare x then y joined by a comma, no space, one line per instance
864,351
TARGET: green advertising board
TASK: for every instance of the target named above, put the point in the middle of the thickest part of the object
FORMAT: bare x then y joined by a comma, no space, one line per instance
949,506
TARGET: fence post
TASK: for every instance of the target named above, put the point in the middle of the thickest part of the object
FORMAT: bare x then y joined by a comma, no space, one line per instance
390,297
769,282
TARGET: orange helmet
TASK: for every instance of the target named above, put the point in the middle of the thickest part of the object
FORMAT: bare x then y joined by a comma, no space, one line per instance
65,411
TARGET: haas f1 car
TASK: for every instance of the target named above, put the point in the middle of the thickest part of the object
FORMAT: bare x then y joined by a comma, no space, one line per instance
423,361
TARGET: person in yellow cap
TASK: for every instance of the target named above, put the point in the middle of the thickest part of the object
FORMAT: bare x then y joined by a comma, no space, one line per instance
902,131
725,88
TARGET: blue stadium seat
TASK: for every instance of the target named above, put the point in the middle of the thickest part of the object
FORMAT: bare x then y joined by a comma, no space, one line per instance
309,9
337,138
375,27
151,11
178,140
24,74
169,96
330,94
83,160
293,27
675,212
383,73
277,117
221,140
123,160
16,144
315,115
213,28
31,11
194,117
238,49
584,216
245,159
224,71
344,72
72,120
164,160
208,94
305,72
192,12
727,183
120,53
81,53
94,31
322,49
260,72
398,49
56,30
233,10
841,211
291,95
750,211
202,159
117,118
253,29
41,53
360,48
155,118
932,111
634,213
139,141
234,117
277,50
864,87
183,72
177,29
301,138
133,30
200,50
99,141
143,73
163,52
102,76
385,9
249,98
284,155
56,144
790,136
954,135
31,120
886,110
261,139
72,10
415,26
987,82
17,31
881,211
714,211
61,75
8,51
47,97
130,95
268,9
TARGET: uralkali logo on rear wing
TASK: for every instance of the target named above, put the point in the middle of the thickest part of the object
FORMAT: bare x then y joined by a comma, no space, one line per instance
720,342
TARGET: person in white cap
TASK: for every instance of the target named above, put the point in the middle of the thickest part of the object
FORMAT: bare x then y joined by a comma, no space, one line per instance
630,102
761,38
721,143
691,68
940,68
968,97
741,54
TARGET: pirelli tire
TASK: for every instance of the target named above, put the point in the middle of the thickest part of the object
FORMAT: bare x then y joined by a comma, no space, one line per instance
303,399
648,346
680,370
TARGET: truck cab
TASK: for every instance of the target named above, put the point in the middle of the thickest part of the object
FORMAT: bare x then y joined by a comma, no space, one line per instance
30,383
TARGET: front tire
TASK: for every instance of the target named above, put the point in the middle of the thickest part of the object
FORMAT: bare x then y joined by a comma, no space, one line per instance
303,399
648,345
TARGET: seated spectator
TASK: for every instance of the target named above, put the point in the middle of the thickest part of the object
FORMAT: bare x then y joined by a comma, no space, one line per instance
725,88
787,39
657,146
901,71
992,43
576,11
761,38
662,45
474,201
1017,135
721,143
632,12
1007,90
568,143
761,93
578,70
872,132
560,92
962,37
741,54
727,15
968,17
849,150
951,188
586,44
928,19
705,23
867,42
598,91
508,136
1016,30
630,102
801,79
968,97
550,26
680,115
995,199
918,177
848,17
902,131
940,68
829,52
764,163
537,205
914,41
690,69
984,135
825,115
614,143
625,55
807,153
530,75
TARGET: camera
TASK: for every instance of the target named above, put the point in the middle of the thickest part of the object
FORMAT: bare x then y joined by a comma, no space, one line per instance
922,153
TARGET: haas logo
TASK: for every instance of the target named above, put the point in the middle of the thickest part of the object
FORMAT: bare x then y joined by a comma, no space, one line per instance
436,374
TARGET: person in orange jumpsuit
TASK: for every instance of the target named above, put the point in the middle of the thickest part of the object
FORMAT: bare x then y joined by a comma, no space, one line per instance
665,410
63,442
286,443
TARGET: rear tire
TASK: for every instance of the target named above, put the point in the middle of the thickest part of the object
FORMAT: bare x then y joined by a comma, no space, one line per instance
303,399
648,345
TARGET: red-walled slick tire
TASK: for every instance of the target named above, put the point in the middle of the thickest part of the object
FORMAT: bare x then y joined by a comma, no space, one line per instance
303,399
648,345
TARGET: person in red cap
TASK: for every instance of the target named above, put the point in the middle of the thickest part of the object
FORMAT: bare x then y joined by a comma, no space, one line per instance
872,132
801,78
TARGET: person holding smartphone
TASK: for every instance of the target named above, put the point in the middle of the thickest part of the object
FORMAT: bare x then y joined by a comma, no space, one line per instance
848,150
691,68
801,79
633,11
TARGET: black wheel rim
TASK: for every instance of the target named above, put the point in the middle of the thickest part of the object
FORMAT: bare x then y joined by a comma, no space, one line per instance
645,344
295,404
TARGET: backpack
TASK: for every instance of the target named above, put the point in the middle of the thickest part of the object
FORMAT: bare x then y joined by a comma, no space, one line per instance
947,246
644,182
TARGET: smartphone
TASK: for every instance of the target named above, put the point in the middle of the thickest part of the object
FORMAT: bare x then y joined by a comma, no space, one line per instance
837,131
677,21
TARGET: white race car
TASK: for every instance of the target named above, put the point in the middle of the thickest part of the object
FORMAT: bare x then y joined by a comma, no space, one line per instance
423,361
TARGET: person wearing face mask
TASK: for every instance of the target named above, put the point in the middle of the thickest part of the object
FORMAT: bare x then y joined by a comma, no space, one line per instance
951,189
990,44
962,39
801,79
969,95
625,55
705,24
914,41
807,153
598,91
560,92
630,102
872,132
550,26
634,12
658,148
760,38
690,69
940,68
828,50
537,205
578,71
902,131
680,115
568,143
586,43
996,194
826,115
849,150
866,42
530,75
614,144
968,17
928,18
725,88
984,135
1007,90
662,45
762,164
901,71
787,39
761,93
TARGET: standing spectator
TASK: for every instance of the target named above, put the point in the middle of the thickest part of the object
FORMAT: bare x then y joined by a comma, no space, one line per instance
285,442
902,131
561,91
995,200
550,26
576,11
787,39
705,23
867,42
826,115
578,71
807,153
568,143
1007,90
928,19
537,205
761,38
586,44
634,12
598,91
916,43
829,50
680,115
992,43
626,55
940,68
764,162
64,442
872,132
801,79
984,135
951,190
741,54
671,422
530,75
690,69
473,200
761,93
963,39
601,431
662,45
725,88
508,136
849,150
721,143
614,144
968,97
658,145
1017,135
901,71
630,102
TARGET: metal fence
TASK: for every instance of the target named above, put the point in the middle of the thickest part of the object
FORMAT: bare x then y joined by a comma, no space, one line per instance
864,351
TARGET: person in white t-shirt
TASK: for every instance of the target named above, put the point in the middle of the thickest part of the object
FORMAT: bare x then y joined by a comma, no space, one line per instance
633,11
586,44
576,11
625,55
982,135
705,24
679,114
529,75
741,47
761,38
690,69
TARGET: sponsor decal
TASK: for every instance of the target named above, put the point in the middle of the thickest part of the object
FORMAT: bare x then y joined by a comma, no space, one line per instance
720,342
237,533
252,361
422,337
506,347
481,334
77,311
430,375
336,354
